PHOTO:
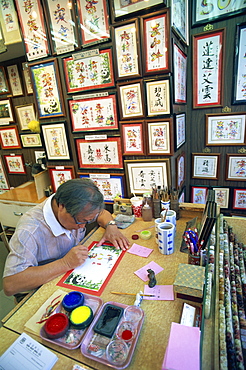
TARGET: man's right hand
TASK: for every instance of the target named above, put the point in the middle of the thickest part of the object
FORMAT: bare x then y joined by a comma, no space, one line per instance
75,257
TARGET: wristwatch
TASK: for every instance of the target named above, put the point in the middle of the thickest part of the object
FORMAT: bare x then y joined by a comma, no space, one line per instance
112,222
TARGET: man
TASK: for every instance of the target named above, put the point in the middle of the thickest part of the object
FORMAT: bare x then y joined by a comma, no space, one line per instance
47,239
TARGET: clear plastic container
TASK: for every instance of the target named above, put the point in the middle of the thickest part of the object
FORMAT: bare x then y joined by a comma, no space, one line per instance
147,212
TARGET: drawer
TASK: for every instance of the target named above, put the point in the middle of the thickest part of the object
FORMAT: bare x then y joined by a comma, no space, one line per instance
10,213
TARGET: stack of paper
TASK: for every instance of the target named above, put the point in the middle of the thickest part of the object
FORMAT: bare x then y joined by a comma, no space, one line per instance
27,354
183,349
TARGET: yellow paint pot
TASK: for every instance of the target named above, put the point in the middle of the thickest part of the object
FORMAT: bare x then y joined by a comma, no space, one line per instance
81,317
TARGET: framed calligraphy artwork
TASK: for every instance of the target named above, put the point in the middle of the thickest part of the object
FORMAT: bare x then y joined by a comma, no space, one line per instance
156,42
94,21
205,166
131,99
10,32
133,138
30,14
199,194
15,164
47,87
14,80
239,199
27,78
4,185
208,64
30,140
127,50
110,185
6,113
123,8
143,174
222,196
236,167
160,136
4,85
9,138
225,129
239,90
180,170
89,71
102,154
62,26
158,97
180,19
180,130
94,114
204,11
55,140
60,174
25,114
180,74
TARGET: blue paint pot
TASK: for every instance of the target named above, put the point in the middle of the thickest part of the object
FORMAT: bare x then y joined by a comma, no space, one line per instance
73,300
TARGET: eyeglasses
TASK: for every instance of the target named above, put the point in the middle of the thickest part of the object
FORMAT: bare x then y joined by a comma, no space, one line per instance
85,221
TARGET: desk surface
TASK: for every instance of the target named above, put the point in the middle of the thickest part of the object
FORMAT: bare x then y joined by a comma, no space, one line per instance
24,193
159,315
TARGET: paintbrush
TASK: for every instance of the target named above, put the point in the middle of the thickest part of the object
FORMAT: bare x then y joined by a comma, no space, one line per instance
142,295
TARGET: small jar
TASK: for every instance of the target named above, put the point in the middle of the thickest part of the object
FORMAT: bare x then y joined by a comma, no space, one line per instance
147,212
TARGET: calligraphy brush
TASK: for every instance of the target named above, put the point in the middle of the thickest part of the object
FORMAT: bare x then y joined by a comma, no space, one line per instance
142,295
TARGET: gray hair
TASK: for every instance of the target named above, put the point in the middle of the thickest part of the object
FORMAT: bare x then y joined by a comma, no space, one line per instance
76,194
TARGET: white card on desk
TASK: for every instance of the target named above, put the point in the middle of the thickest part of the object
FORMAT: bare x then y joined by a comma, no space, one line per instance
27,354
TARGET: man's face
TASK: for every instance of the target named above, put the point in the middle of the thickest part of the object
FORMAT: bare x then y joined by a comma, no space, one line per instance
79,221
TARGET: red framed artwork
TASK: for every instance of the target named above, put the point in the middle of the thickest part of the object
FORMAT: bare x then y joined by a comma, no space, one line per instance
160,136
208,64
199,194
9,138
60,174
239,199
15,164
133,138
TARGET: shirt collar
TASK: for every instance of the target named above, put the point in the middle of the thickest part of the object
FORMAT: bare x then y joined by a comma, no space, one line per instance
56,228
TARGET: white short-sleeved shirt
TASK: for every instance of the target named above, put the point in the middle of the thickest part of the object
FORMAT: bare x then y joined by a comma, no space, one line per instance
39,238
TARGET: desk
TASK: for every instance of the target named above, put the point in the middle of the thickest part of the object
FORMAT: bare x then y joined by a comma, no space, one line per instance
159,315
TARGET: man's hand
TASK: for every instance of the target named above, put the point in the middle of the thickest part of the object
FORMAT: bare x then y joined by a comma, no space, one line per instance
75,257
112,234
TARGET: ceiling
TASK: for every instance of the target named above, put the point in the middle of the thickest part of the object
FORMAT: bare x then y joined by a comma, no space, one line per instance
13,51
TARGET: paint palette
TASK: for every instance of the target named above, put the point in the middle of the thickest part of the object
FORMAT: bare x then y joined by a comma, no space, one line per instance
114,352
73,337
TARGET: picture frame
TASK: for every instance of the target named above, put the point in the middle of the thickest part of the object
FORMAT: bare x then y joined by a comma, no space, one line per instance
61,25
132,134
27,78
158,97
55,140
156,44
6,112
199,194
36,47
47,88
222,196
4,85
127,50
236,167
226,129
204,13
59,175
103,154
25,114
94,113
131,99
14,80
205,166
4,184
100,77
9,138
179,74
124,8
180,19
180,130
15,164
143,174
182,195
160,136
239,78
208,66
110,185
180,170
31,140
239,199
94,22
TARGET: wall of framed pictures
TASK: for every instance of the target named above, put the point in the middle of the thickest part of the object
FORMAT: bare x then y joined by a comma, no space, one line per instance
127,81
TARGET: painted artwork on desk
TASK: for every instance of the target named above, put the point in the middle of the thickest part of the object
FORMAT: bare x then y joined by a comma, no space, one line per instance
93,276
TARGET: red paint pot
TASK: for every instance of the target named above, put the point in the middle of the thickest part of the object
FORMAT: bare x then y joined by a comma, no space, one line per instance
56,325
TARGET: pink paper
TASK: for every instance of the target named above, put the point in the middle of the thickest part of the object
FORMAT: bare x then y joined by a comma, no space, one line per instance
139,250
184,341
161,292
143,273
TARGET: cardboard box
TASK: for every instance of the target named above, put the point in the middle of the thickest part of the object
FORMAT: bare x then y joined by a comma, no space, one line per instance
189,280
